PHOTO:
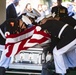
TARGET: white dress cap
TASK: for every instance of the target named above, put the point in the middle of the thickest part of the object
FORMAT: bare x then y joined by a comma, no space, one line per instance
32,15
36,13
26,20
39,19
49,15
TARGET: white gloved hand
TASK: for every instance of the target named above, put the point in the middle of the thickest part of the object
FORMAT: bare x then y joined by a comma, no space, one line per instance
38,28
7,33
48,57
53,14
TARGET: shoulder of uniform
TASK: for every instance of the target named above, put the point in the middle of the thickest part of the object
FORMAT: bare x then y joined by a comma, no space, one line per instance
54,7
64,7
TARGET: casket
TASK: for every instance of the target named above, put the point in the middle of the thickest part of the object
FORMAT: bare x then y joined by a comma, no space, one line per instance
30,59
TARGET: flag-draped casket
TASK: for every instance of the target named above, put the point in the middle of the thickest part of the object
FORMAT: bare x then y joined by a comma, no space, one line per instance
24,40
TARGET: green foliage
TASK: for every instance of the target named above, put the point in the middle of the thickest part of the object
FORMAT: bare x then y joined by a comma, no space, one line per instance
66,0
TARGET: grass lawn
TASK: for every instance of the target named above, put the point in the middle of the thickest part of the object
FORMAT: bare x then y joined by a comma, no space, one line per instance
72,73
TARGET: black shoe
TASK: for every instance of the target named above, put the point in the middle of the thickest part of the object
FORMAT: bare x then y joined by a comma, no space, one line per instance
2,71
58,74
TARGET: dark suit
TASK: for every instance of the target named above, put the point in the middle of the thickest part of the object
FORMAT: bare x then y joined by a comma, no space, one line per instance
60,11
11,12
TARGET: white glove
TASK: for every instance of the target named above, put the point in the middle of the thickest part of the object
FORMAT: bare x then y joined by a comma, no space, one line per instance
48,57
38,28
7,33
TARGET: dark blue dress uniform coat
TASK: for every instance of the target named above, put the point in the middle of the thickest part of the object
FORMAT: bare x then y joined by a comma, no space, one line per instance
54,27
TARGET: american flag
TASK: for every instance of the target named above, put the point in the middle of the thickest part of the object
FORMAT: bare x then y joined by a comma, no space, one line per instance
24,40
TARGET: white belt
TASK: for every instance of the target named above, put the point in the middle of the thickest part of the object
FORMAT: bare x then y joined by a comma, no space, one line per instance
2,34
62,29
75,27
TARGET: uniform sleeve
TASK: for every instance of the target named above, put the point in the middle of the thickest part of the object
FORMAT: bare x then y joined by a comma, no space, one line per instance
66,12
43,27
52,10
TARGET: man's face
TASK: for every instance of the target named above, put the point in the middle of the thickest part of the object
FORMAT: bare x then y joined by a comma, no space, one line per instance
16,3
59,2
43,21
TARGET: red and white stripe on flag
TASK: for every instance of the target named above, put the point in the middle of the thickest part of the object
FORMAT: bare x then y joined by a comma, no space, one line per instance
24,40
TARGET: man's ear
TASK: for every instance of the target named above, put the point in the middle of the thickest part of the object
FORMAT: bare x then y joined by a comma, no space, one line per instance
43,21
46,31
12,24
